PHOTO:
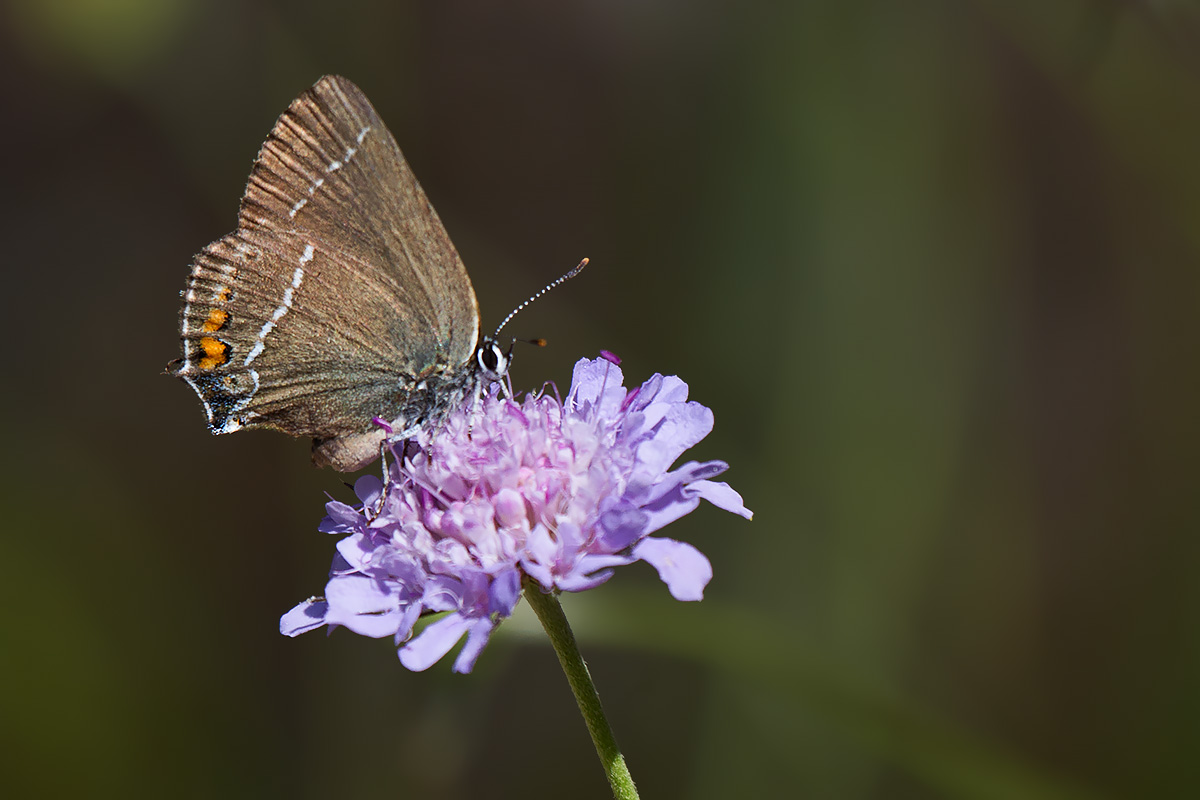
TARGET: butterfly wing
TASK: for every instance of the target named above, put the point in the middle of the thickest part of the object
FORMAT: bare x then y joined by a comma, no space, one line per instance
339,294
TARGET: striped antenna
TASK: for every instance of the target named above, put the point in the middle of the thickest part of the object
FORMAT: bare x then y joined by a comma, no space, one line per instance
578,269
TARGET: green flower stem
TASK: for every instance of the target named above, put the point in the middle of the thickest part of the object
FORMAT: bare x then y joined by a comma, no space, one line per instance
550,613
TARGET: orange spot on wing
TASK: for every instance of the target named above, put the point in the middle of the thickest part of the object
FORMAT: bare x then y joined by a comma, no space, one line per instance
216,319
214,352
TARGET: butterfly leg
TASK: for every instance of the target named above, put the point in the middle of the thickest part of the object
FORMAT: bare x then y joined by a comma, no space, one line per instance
389,444
475,404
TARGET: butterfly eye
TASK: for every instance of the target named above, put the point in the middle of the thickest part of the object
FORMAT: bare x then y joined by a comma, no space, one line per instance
492,360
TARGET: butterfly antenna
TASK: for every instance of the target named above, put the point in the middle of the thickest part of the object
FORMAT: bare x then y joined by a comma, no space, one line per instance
578,269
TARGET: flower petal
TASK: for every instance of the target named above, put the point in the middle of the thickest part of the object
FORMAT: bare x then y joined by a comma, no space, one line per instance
365,606
596,388
434,642
683,568
340,518
305,617
591,571
356,552
367,489
682,426
478,633
504,592
674,497
622,525
665,510
721,496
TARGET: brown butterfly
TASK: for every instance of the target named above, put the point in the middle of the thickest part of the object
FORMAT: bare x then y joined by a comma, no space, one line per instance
339,299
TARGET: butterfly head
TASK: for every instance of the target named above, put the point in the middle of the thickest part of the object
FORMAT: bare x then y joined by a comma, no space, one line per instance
492,360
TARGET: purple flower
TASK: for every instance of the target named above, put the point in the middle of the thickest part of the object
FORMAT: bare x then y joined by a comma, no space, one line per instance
561,492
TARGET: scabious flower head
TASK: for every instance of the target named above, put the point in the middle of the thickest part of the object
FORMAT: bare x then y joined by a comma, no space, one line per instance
561,492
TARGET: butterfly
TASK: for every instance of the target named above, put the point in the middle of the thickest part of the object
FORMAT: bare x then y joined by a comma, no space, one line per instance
339,301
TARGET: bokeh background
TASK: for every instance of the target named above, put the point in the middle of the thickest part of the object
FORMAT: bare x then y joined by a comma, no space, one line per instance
933,264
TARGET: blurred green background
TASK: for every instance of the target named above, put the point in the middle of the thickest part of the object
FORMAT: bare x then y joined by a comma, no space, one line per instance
933,264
